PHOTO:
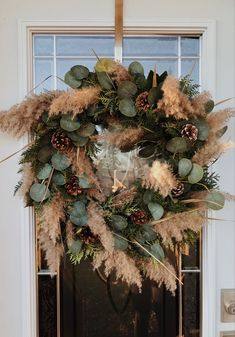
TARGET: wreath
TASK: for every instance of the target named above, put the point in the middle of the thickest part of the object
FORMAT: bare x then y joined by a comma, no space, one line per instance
119,168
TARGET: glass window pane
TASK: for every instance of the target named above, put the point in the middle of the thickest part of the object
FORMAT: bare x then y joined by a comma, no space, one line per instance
192,261
150,46
187,65
43,69
43,45
190,46
162,64
83,45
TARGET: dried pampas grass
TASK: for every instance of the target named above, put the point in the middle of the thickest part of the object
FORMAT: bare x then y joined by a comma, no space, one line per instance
27,180
120,74
23,118
122,264
211,151
160,275
173,225
53,252
124,197
51,216
160,178
216,120
74,101
98,226
69,233
125,138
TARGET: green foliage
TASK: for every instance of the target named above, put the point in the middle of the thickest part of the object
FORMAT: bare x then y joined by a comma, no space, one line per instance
188,87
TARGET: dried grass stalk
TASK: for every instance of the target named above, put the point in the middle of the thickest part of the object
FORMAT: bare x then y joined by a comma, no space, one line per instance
160,178
23,118
98,226
174,224
74,101
28,178
124,138
51,216
69,233
211,151
122,264
160,275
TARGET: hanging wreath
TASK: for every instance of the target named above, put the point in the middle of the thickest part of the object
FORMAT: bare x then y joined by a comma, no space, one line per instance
119,167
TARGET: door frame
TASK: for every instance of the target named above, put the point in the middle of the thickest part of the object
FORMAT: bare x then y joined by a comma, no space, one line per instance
207,28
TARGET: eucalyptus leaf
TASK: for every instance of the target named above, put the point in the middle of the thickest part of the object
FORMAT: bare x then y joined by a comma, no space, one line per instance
127,107
156,210
75,247
215,200
77,139
44,172
136,68
104,81
118,222
60,162
154,95
71,80
157,251
209,106
84,183
80,221
58,179
86,130
178,145
69,124
80,72
38,192
140,82
49,121
120,243
196,174
126,89
148,196
78,209
148,233
45,154
203,129
184,167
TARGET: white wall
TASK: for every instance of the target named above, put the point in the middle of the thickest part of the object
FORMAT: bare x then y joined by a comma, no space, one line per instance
11,11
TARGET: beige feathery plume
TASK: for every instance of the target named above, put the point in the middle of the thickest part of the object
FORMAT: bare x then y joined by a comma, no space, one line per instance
98,226
53,252
81,164
160,275
124,197
96,194
160,178
120,74
173,225
74,101
124,138
216,120
69,233
27,179
211,151
175,103
51,216
228,196
122,264
23,118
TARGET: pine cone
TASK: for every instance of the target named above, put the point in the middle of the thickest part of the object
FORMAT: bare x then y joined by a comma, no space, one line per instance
61,141
178,190
142,103
72,187
88,237
139,217
189,131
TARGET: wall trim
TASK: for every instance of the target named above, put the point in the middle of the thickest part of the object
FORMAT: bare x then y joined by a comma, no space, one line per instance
207,28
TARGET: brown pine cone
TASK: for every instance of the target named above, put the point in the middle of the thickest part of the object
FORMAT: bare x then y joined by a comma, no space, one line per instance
139,217
190,131
141,102
61,141
88,237
72,187
178,190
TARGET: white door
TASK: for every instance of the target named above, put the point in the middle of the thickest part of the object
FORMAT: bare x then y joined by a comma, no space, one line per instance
215,21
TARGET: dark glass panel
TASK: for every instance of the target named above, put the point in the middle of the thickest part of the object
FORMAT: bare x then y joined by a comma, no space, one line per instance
192,260
47,306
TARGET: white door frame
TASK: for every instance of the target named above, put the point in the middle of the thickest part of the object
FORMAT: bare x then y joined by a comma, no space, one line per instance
208,66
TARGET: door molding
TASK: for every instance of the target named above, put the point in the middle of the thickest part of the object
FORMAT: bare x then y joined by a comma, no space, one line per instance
207,28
